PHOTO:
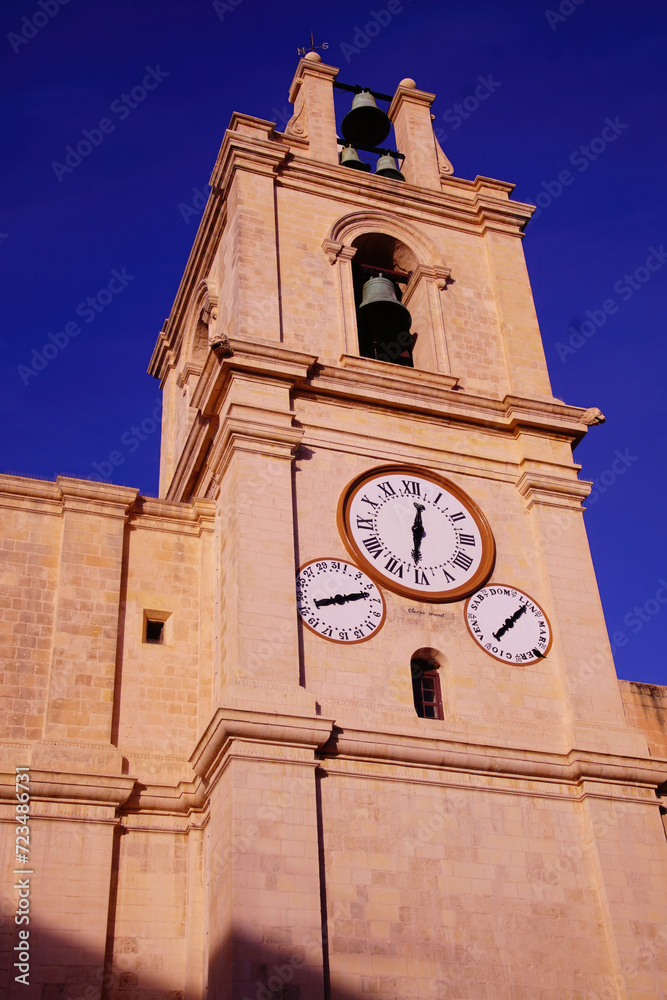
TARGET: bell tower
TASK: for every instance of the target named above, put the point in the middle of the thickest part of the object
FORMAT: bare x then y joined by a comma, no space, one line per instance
413,755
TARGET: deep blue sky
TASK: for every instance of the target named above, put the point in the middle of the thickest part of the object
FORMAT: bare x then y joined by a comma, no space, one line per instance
555,84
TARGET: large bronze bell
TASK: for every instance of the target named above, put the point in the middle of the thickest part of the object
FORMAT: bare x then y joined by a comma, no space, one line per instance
386,167
365,124
349,158
384,324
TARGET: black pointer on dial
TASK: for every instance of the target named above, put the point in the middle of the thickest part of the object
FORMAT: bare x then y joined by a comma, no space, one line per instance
509,623
418,532
339,599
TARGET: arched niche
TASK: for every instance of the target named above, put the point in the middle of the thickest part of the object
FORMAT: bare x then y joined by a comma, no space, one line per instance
380,239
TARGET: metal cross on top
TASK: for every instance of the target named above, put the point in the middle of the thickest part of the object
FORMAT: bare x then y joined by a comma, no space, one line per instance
313,46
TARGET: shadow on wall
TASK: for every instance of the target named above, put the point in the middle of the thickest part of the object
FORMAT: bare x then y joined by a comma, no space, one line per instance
62,969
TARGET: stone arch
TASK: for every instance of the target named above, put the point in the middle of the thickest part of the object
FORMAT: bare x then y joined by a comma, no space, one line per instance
346,229
200,323
422,294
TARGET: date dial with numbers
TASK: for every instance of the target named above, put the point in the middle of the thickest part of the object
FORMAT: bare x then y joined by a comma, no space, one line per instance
339,601
416,532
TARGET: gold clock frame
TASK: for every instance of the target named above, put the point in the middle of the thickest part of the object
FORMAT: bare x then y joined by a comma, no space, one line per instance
488,560
329,638
503,659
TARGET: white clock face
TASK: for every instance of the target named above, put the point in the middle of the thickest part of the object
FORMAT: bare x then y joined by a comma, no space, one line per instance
338,601
508,624
418,533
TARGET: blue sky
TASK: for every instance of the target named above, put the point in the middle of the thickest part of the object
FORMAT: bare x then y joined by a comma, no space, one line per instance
92,254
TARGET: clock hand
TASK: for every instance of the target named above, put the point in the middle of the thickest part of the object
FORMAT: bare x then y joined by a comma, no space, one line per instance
418,532
339,599
509,623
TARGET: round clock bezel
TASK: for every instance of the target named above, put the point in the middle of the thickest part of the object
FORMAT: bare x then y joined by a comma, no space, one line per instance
504,659
329,638
487,563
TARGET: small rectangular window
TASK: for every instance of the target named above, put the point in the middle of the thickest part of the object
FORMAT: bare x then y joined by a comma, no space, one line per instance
154,632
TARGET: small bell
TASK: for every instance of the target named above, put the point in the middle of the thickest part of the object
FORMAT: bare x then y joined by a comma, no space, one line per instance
386,167
365,124
349,158
384,324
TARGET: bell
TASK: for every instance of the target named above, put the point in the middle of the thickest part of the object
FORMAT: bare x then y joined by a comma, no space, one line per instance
386,167
349,158
365,124
384,324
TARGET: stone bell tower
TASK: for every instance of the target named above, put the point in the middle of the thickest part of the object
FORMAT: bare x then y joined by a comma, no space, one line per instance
355,848
336,717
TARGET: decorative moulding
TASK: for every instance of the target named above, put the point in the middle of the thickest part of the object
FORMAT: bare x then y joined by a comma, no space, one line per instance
334,250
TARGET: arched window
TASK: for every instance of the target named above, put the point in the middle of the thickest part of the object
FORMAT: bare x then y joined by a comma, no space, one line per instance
424,666
379,255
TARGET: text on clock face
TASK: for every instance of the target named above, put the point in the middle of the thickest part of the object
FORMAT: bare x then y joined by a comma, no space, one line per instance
338,601
507,624
416,530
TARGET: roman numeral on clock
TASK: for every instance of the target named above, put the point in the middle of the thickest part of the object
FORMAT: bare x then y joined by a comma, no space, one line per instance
374,545
420,578
365,523
463,560
467,539
459,516
411,487
366,500
387,489
395,567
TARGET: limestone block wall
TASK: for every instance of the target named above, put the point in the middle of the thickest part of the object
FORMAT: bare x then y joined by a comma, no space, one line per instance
440,884
646,710
103,718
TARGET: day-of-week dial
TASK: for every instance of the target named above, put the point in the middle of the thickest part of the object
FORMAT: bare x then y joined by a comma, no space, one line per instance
508,624
339,601
419,535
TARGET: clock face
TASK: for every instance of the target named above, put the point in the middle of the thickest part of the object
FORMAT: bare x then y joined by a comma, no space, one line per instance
338,601
508,624
416,532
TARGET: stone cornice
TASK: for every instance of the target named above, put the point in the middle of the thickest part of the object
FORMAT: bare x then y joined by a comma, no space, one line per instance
553,491
263,357
106,500
574,766
425,395
378,383
470,206
259,727
70,786
67,493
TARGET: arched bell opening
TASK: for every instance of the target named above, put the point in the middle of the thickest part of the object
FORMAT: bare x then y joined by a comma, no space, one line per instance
381,269
426,689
